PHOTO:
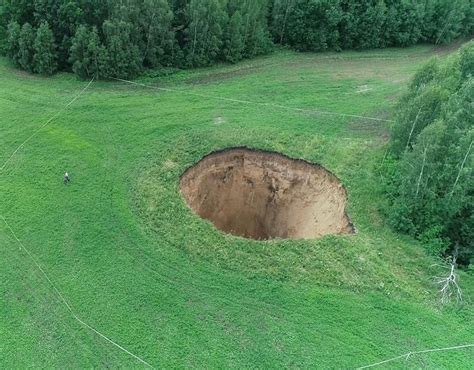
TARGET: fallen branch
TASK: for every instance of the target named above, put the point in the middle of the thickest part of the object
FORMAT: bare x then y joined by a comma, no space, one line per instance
449,284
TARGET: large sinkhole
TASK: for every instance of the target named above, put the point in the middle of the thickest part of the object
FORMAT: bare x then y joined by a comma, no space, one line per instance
264,195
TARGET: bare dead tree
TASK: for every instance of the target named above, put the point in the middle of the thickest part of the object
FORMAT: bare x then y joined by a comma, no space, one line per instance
449,286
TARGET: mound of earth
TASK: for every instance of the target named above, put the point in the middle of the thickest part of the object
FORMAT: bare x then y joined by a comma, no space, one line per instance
264,195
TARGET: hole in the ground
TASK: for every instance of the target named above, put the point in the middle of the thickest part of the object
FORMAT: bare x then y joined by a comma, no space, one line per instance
264,195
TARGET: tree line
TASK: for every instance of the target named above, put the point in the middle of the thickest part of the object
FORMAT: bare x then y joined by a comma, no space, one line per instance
123,38
431,170
314,25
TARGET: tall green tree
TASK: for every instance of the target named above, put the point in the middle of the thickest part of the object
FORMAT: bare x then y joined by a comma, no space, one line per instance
21,11
128,11
234,42
408,17
156,22
45,56
204,34
13,42
69,17
362,24
180,20
95,12
86,53
256,34
26,47
122,57
444,20
312,25
3,28
419,107
281,11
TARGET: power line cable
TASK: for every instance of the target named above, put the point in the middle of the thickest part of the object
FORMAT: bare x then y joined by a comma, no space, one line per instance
46,123
65,302
406,356
249,102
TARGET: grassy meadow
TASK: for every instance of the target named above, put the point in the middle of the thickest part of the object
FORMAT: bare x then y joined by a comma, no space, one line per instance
136,264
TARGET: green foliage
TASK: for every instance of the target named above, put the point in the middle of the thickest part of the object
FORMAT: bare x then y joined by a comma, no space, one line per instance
26,48
86,53
403,23
466,63
234,38
3,29
122,57
44,59
347,24
433,189
156,22
444,20
191,33
415,112
362,24
433,241
13,42
70,16
256,36
311,25
278,24
21,11
207,20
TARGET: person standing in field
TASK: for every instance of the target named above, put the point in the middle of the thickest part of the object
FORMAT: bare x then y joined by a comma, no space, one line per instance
66,178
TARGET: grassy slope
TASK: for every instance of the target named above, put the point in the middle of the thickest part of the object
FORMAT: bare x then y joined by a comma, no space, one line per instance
135,263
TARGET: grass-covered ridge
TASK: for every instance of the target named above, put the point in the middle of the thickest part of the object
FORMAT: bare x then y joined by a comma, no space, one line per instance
137,264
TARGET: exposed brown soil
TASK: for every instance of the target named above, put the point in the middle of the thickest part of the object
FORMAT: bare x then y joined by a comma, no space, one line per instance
264,195
220,76
216,77
451,47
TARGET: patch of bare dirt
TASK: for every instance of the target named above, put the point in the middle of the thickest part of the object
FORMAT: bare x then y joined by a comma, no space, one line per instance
220,76
214,76
450,47
24,74
265,195
369,128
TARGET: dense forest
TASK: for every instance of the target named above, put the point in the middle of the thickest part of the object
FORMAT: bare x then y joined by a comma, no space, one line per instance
431,171
123,38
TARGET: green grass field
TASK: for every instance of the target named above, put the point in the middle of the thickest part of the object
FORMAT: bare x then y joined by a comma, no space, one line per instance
137,265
